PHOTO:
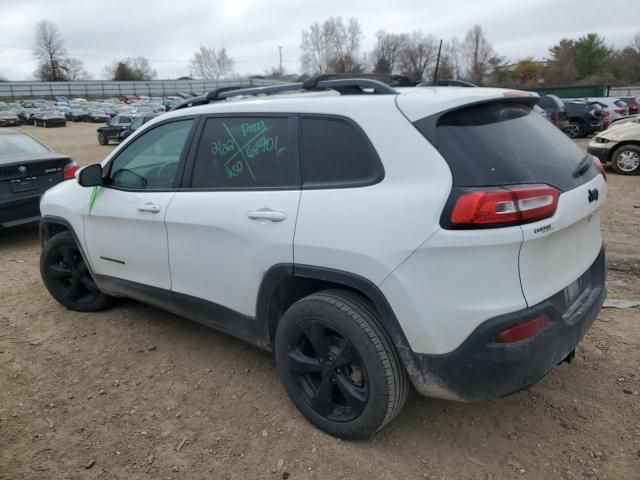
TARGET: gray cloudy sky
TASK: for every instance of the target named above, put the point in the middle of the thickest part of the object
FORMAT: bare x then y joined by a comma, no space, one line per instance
169,31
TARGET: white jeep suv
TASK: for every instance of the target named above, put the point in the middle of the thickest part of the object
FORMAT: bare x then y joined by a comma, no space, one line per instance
367,235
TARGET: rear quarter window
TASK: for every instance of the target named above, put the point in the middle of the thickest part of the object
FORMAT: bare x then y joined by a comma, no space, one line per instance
336,153
504,143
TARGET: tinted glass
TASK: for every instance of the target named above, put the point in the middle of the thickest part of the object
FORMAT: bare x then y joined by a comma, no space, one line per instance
17,143
335,152
506,144
151,160
243,153
621,103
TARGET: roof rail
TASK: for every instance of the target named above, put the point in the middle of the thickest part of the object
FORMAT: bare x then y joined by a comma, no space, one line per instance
446,83
345,84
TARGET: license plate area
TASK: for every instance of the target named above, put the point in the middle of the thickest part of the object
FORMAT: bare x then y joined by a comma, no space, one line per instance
24,185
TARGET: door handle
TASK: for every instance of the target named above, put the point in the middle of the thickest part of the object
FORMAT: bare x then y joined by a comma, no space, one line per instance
267,214
149,207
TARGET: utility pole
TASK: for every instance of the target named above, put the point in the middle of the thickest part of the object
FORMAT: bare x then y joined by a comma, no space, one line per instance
280,50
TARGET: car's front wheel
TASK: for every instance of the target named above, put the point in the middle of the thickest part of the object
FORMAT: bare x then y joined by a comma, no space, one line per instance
574,130
626,160
67,276
338,366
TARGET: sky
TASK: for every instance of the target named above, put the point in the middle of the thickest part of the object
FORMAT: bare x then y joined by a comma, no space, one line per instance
169,31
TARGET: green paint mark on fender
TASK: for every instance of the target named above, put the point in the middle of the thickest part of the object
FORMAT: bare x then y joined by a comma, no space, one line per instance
92,197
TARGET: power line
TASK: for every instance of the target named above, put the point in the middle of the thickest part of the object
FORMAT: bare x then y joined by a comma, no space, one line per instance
165,60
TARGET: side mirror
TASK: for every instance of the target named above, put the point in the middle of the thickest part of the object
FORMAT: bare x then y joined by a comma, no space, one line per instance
90,176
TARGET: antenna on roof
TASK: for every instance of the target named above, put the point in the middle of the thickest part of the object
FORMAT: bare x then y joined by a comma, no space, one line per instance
435,72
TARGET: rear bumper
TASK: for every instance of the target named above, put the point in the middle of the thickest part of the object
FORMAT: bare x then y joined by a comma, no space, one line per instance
482,369
601,153
19,212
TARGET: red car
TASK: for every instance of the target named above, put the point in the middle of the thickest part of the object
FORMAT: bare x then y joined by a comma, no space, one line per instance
634,104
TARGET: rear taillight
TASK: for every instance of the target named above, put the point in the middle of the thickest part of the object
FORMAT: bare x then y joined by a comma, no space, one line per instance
500,207
523,331
70,170
619,111
599,166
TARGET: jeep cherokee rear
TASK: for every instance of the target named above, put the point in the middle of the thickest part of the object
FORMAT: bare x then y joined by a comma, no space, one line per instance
445,235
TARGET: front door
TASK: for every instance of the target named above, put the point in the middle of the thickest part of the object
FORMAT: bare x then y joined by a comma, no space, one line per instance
125,231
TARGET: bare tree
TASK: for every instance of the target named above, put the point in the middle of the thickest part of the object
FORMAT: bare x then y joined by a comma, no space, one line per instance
50,52
418,52
635,42
332,45
130,69
452,51
211,63
386,53
479,54
74,70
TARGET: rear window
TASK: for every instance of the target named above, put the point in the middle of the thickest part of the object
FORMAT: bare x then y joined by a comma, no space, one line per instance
18,143
620,103
505,144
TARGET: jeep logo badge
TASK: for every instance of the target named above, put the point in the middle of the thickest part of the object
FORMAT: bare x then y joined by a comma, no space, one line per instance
593,195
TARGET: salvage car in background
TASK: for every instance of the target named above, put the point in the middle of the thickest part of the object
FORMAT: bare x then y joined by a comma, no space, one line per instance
96,116
49,118
584,118
619,146
138,121
556,112
27,170
9,118
112,129
616,107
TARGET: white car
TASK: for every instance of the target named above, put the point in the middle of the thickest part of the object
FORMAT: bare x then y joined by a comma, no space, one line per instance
616,107
368,236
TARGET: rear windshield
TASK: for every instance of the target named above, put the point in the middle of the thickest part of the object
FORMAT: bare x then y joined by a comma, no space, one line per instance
505,144
17,143
620,103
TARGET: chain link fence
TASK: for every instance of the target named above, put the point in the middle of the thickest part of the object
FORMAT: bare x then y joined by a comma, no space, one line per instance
105,89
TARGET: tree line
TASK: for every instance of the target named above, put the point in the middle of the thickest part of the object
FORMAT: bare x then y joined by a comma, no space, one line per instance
335,45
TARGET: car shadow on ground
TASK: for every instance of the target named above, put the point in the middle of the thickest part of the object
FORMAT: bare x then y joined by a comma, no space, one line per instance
18,236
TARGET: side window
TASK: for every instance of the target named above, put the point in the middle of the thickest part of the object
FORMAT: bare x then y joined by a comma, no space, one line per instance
124,120
336,153
151,160
244,152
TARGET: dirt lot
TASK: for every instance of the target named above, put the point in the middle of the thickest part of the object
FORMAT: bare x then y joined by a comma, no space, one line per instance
137,393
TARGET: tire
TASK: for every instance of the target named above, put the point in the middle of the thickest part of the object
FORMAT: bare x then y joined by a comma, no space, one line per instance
67,277
626,160
102,140
338,366
574,130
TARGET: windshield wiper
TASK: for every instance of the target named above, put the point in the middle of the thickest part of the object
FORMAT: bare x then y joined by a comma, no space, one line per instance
583,166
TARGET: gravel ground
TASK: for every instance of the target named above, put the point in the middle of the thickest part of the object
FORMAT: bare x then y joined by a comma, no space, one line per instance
138,393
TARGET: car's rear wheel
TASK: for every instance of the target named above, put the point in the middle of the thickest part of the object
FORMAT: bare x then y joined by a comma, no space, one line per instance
67,276
338,366
574,130
626,160
102,140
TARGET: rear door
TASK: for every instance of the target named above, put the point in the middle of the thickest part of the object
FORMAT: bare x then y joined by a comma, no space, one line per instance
236,216
505,144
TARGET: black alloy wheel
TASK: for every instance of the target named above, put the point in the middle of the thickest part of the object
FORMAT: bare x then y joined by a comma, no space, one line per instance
329,372
67,276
